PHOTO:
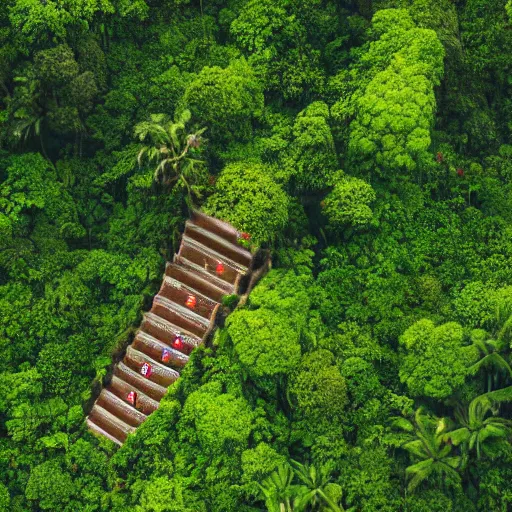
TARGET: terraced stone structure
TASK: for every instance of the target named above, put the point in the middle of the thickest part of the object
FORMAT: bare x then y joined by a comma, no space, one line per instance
209,265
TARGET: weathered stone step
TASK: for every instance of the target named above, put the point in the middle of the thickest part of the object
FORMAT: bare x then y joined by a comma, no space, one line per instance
196,254
208,273
218,244
181,293
98,430
122,389
180,316
135,379
120,409
157,372
203,283
110,423
217,226
166,331
159,351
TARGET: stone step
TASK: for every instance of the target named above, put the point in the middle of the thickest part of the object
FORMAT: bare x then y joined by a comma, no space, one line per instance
202,282
180,316
218,244
121,389
135,379
166,331
110,423
160,374
120,408
155,349
180,293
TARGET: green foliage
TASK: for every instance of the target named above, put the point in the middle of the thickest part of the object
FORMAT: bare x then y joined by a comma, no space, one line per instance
348,203
483,433
266,335
5,499
389,288
312,492
225,100
162,495
319,387
274,37
247,196
264,341
430,454
257,465
218,421
50,486
394,102
173,151
424,346
312,156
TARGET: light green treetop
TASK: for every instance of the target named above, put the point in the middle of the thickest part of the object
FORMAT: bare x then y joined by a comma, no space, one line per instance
392,105
225,100
348,204
247,196
432,361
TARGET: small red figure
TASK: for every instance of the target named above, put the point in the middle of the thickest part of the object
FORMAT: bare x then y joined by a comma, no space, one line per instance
246,236
439,157
219,269
178,342
146,370
191,302
132,397
166,356
460,172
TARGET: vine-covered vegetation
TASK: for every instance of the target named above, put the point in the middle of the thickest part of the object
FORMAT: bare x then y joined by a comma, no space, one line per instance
367,144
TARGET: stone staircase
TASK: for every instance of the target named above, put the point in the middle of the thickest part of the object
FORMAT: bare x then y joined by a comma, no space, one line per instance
209,265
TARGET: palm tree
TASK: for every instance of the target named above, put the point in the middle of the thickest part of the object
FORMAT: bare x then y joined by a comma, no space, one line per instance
172,150
429,446
278,490
28,114
482,430
315,492
492,361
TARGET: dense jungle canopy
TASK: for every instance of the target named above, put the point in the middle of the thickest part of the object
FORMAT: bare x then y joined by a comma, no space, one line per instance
367,145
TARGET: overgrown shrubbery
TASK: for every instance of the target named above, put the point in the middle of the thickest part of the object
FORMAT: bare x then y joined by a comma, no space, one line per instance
370,370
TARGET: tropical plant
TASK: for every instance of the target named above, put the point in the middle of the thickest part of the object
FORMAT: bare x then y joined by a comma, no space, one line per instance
482,430
28,117
173,150
429,449
491,360
315,492
278,490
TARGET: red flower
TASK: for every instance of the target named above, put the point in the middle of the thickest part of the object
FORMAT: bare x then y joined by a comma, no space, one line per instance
146,370
219,269
166,356
460,172
178,342
245,236
191,302
439,157
132,397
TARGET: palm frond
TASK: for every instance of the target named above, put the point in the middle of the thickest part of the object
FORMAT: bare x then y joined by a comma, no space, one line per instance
418,473
458,436
402,423
491,360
